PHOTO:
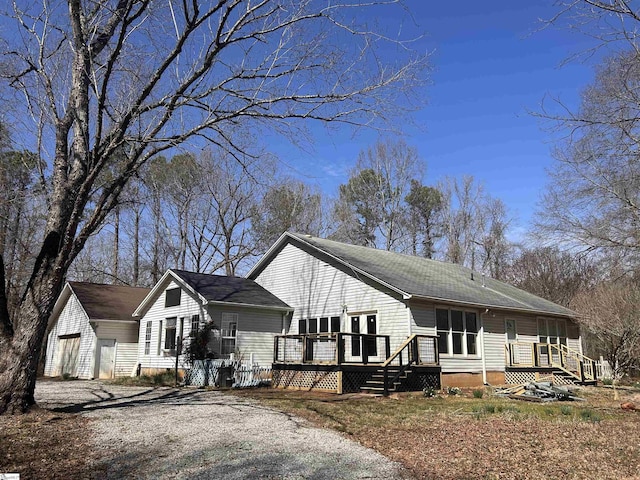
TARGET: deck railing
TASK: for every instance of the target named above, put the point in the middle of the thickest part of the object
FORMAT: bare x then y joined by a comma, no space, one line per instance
550,355
331,348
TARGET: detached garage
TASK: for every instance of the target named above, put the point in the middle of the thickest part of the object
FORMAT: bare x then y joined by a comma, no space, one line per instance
92,333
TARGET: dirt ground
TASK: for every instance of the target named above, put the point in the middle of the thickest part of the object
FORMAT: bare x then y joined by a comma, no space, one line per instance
462,437
444,438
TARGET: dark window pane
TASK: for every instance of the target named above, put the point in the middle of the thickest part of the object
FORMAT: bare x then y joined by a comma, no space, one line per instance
302,326
456,321
457,343
442,319
472,324
371,324
443,345
313,325
228,346
170,334
471,344
335,324
172,297
324,324
355,324
355,339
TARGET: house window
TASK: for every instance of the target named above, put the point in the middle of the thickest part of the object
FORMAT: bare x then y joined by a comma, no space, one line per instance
195,324
229,332
335,324
551,330
172,297
324,324
159,338
170,334
457,332
147,338
319,325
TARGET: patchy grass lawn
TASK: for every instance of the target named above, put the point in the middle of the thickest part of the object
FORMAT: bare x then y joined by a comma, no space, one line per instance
45,445
462,437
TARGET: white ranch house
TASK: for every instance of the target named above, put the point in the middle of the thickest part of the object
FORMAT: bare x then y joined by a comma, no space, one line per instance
372,319
92,333
337,317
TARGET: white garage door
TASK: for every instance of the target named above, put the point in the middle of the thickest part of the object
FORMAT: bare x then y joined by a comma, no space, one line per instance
68,349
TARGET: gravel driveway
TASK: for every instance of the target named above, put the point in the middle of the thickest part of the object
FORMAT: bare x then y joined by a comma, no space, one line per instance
187,433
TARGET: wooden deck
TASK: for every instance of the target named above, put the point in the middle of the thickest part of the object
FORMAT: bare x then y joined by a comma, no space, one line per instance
549,359
347,362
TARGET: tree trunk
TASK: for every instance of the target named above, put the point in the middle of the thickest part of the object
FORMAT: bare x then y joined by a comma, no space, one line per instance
20,352
136,247
116,245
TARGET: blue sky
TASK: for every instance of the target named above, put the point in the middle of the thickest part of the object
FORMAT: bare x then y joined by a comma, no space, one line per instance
491,67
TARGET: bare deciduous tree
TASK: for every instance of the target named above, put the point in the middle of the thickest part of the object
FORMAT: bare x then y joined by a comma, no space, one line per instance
610,313
593,199
136,78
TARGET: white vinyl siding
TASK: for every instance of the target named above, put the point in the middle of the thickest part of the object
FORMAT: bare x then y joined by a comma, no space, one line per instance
315,289
72,320
126,355
157,314
255,329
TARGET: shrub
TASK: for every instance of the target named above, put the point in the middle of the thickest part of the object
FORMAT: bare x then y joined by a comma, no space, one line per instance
453,391
607,381
429,392
478,393
566,410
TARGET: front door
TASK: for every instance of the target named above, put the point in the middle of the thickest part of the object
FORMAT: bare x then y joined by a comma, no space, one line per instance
106,357
372,344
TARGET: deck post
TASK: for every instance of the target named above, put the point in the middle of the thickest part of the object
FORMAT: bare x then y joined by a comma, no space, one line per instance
386,381
304,349
536,359
275,349
387,347
340,348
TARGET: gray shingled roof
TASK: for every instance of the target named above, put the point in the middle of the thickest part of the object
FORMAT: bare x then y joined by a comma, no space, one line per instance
219,288
108,302
433,279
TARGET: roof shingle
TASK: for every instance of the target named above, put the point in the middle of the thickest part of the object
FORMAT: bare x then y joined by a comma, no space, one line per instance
108,302
219,288
423,277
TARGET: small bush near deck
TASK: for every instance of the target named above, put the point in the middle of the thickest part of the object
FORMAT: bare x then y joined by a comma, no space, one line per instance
429,392
478,393
453,391
607,381
490,408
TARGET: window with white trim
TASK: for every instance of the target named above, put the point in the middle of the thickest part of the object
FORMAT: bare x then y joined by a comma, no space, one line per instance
228,333
170,333
457,331
552,330
172,297
319,325
195,324
147,338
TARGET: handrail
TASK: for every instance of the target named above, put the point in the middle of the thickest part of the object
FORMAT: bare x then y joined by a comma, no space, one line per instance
399,350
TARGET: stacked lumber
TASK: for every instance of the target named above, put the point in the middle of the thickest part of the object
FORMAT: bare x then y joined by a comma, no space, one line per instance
538,392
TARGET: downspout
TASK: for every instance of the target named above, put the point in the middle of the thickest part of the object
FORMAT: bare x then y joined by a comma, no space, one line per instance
484,360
